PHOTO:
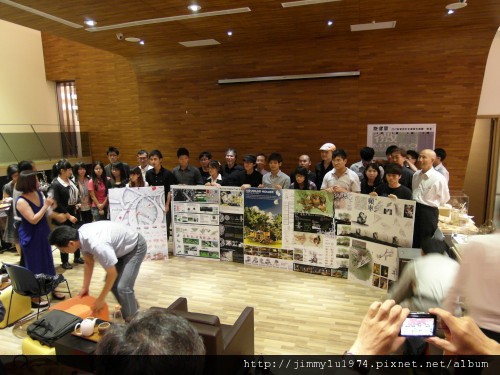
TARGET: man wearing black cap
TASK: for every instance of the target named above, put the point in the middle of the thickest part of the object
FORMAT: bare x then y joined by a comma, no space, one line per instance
249,177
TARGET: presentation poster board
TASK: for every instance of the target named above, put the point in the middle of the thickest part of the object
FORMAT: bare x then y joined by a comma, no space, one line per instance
231,224
195,221
144,210
407,136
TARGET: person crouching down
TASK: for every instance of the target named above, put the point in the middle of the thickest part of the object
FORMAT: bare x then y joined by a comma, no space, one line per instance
120,251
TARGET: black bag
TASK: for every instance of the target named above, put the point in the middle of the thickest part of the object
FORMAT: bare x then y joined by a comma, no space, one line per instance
48,283
53,326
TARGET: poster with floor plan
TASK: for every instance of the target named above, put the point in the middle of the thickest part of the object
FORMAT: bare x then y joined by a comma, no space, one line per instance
195,221
231,224
144,210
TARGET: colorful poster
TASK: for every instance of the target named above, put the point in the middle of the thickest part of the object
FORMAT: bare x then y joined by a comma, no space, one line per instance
195,221
231,224
408,136
142,209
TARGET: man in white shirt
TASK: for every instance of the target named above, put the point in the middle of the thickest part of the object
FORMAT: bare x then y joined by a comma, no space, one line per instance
340,178
430,190
143,159
438,163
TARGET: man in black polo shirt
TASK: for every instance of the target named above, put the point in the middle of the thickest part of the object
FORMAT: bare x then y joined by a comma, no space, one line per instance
159,176
249,177
230,170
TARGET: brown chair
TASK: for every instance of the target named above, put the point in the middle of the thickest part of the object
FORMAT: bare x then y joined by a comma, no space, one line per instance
220,339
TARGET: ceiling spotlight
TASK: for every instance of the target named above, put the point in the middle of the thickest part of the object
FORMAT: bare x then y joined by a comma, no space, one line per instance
329,23
90,23
451,11
141,42
458,5
194,7
229,33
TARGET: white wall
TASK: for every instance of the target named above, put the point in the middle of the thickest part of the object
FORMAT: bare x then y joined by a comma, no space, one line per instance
26,97
489,103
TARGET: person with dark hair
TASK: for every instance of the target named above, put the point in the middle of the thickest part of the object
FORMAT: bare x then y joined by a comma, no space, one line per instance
326,163
156,340
98,191
301,180
10,235
231,170
215,179
367,154
143,159
159,176
204,158
438,163
66,195
119,249
119,176
275,179
136,179
249,177
305,161
398,156
341,179
82,183
261,163
184,173
392,188
34,230
113,155
371,178
411,160
430,190
388,152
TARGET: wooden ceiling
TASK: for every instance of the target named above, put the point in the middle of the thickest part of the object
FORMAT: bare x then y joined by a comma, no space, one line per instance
267,22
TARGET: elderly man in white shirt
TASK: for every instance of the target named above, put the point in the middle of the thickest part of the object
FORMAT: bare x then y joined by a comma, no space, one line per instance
430,190
340,178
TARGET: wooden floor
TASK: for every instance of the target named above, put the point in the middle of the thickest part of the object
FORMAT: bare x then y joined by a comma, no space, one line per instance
295,313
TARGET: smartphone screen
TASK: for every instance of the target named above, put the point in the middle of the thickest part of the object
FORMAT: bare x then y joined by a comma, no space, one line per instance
419,325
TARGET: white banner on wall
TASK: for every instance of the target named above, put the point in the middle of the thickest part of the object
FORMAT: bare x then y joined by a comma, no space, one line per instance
407,136
144,210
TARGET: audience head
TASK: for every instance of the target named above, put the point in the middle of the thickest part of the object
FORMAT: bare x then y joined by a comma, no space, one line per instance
261,161
155,341
156,158
326,151
433,245
339,159
367,154
27,182
118,171
426,159
412,156
304,161
440,156
64,238
62,169
249,162
204,158
393,174
388,152
231,155
26,165
372,173
275,161
183,157
12,172
80,168
135,177
301,177
398,156
142,158
98,171
113,154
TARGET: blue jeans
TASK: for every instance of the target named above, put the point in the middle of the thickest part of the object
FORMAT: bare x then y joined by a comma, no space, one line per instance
128,268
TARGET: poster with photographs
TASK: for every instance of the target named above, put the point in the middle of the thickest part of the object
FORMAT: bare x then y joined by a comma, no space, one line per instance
144,210
231,224
195,221
263,218
197,241
407,136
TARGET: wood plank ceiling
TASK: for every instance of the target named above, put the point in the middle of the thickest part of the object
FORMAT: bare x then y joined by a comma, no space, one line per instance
261,22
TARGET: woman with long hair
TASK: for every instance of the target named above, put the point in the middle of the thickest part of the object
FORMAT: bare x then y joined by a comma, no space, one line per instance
372,178
66,195
302,181
82,183
34,229
118,178
98,191
136,179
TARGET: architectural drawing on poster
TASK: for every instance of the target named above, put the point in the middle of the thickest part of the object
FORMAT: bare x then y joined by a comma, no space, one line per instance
231,224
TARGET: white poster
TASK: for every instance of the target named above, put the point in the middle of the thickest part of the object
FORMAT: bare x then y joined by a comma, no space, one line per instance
144,210
406,136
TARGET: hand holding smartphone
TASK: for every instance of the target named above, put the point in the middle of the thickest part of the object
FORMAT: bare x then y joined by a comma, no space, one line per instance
419,324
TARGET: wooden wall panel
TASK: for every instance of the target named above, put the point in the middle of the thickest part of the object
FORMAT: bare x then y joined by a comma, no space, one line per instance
427,76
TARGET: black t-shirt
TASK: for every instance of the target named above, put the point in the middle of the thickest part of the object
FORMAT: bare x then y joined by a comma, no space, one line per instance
230,175
402,192
254,179
164,178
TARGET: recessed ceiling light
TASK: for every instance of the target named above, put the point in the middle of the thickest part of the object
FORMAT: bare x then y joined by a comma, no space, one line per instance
329,23
132,39
141,42
229,33
451,11
194,7
90,23
458,5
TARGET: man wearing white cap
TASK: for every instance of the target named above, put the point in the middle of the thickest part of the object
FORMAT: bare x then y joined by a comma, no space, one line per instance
326,165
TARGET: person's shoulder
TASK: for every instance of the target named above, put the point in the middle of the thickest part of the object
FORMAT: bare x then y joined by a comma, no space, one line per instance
352,174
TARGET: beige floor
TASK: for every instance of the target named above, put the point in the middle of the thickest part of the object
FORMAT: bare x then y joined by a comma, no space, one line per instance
295,313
